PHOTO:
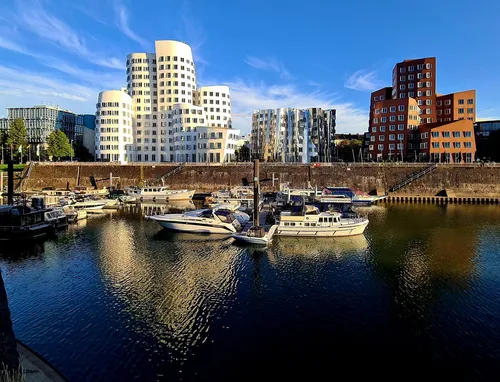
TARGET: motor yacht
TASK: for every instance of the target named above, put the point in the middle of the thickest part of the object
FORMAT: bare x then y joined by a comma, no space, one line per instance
159,193
211,220
309,221
73,214
241,196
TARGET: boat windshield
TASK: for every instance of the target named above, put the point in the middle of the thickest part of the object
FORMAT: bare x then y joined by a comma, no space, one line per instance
205,214
225,216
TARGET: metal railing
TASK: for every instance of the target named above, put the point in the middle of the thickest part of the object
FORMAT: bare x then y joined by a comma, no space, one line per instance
413,176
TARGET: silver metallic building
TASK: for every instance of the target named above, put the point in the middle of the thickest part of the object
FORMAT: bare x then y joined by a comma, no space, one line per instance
294,135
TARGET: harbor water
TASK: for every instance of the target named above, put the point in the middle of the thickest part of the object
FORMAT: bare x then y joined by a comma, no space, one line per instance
117,298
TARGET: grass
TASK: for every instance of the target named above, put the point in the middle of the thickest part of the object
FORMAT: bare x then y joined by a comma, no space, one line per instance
19,167
16,375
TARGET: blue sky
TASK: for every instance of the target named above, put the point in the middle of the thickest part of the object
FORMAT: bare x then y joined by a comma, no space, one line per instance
272,53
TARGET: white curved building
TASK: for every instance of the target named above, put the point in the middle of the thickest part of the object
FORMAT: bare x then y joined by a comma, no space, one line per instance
176,73
114,132
168,107
216,102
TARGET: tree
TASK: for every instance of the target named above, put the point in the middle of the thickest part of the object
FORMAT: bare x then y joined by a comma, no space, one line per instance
17,136
58,145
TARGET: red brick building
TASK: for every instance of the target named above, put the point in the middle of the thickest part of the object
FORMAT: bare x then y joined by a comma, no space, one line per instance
399,114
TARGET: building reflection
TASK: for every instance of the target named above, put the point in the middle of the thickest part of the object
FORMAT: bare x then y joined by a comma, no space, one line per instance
173,284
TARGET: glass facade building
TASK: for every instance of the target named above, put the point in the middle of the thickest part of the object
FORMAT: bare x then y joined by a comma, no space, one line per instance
290,135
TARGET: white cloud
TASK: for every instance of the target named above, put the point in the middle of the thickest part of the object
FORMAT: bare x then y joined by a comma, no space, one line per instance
13,46
269,64
122,14
247,97
363,80
48,27
16,82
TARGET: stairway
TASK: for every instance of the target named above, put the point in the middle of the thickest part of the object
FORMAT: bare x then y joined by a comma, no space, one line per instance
161,179
23,179
414,176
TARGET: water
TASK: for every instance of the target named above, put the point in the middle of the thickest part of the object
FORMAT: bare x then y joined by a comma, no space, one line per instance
116,298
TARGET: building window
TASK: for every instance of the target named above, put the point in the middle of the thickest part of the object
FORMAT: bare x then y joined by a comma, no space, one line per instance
470,110
392,137
402,70
428,66
380,147
383,119
446,134
439,103
382,129
435,144
401,117
393,109
467,134
468,145
470,101
460,111
392,127
401,126
392,118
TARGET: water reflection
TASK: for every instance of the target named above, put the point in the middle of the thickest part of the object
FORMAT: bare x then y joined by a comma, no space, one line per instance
174,285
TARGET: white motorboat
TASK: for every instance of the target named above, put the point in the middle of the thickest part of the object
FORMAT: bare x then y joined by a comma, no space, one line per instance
252,236
241,196
56,217
73,214
159,193
218,221
309,221
127,198
343,195
89,205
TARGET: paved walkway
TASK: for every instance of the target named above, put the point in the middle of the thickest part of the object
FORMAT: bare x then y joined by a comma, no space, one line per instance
35,368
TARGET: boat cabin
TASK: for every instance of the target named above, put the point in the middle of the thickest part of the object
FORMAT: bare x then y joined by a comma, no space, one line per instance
309,216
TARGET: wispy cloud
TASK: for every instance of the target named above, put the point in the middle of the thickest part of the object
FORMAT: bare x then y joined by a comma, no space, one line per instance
269,64
47,26
122,14
17,82
363,80
248,96
13,46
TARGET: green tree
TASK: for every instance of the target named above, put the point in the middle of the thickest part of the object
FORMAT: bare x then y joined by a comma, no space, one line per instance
17,136
58,145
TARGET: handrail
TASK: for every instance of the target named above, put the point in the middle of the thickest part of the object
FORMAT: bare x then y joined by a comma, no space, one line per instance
412,177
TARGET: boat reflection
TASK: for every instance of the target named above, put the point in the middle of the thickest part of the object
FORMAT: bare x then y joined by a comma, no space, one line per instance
312,247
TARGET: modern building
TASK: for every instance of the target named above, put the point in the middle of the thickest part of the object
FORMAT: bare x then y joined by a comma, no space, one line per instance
293,135
114,131
89,132
41,120
398,114
167,106
451,142
487,134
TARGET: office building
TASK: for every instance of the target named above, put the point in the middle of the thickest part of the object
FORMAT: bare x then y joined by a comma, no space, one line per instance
168,108
89,133
113,133
41,120
487,134
293,135
398,114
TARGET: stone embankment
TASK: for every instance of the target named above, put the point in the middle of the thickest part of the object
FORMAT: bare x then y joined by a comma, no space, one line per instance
461,180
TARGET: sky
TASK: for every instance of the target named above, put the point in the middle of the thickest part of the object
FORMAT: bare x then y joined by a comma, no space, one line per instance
271,53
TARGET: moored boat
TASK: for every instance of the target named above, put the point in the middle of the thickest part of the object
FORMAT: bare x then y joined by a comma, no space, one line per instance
216,221
159,193
74,214
56,217
309,221
20,222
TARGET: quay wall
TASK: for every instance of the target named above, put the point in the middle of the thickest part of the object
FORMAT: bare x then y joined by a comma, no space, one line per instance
459,180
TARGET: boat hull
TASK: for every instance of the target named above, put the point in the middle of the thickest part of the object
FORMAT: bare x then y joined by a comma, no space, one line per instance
181,195
194,228
341,230
15,234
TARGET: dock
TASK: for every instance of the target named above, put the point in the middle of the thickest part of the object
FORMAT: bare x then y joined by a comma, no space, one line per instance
36,369
439,199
